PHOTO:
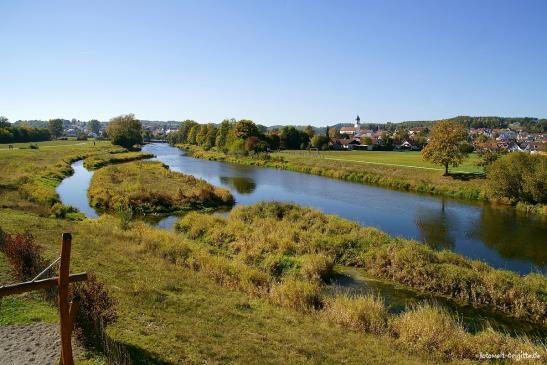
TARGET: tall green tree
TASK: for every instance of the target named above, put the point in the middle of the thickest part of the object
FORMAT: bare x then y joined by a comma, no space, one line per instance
94,126
222,133
445,140
125,131
210,136
55,127
202,135
4,122
192,134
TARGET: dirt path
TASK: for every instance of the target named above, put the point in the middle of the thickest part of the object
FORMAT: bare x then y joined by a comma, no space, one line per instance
36,343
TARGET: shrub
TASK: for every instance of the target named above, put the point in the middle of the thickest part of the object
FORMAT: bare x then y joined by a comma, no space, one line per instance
297,294
96,310
366,313
316,267
59,210
519,177
429,329
125,214
23,254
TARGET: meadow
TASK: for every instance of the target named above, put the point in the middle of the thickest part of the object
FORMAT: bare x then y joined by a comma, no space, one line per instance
406,159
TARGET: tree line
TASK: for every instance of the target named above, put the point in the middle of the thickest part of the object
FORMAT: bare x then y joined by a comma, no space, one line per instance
244,136
12,134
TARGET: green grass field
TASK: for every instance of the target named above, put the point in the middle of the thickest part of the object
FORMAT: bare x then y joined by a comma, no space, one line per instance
50,144
411,159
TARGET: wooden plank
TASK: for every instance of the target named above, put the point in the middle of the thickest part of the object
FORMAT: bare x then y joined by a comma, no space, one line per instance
38,284
64,307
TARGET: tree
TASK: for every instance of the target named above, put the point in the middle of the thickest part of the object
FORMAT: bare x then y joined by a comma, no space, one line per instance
245,129
333,132
444,144
309,131
125,131
293,139
519,176
94,126
55,127
202,135
222,133
210,136
319,141
193,133
4,122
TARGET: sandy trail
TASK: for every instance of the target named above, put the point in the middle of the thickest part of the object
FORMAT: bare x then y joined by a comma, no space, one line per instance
36,343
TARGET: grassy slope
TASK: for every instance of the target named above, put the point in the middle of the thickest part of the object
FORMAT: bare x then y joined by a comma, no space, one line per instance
168,313
420,180
152,187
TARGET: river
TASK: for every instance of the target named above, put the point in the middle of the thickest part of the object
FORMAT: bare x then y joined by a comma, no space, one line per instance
499,236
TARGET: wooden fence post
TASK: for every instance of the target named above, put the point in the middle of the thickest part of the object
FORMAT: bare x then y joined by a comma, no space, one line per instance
64,306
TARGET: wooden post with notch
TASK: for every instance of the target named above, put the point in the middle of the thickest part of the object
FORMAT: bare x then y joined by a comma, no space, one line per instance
64,306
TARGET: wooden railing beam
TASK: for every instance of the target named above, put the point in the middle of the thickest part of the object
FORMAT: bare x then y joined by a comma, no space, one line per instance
38,284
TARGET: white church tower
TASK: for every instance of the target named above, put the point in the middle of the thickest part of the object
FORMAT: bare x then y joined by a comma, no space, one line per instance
357,126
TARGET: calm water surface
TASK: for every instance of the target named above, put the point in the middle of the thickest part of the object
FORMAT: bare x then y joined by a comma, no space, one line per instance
498,236
73,189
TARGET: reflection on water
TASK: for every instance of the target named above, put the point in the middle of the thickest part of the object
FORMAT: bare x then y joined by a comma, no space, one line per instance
397,298
434,227
242,184
512,235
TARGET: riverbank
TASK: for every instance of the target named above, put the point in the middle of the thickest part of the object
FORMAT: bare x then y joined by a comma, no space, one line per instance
185,287
280,238
150,187
419,179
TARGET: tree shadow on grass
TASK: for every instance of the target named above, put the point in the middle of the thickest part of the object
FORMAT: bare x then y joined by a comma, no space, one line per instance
140,356
466,176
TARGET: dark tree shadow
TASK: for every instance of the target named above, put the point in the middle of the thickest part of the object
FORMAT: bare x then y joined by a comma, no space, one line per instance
466,176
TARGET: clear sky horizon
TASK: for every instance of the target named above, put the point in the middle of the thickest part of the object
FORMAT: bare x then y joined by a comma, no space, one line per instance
275,62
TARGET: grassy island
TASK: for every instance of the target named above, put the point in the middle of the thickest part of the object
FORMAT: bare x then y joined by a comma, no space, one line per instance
150,186
96,161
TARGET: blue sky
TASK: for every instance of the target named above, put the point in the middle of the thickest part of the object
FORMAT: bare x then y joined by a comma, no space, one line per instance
276,62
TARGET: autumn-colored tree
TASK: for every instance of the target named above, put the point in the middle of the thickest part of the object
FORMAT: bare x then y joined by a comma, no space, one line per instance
125,131
444,144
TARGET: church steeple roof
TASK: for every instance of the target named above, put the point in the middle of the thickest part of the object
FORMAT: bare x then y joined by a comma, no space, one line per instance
358,120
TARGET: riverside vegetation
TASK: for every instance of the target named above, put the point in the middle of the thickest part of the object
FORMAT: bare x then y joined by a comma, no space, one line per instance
150,187
262,272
